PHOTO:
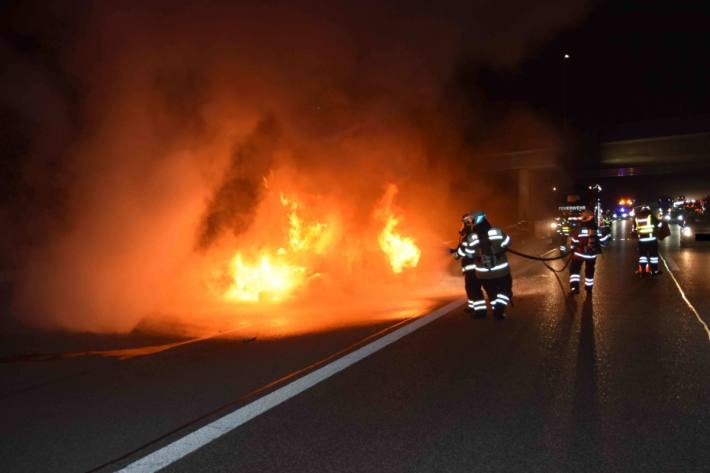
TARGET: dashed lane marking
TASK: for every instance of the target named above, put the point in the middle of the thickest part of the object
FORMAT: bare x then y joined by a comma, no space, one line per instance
682,294
183,446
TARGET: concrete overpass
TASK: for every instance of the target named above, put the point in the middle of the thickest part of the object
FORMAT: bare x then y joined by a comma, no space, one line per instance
535,171
658,155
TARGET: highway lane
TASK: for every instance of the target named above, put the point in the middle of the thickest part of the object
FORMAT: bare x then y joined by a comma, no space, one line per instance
691,267
75,414
612,382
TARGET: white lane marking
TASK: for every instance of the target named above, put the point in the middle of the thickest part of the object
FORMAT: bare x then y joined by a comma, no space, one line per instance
682,294
671,263
176,450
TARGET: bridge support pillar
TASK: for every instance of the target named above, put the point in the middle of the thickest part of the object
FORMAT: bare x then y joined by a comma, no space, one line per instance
523,194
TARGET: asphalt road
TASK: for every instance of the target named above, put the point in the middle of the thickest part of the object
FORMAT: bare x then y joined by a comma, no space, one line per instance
615,381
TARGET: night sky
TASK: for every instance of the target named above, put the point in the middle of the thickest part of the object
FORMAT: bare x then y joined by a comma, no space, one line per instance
493,71
631,61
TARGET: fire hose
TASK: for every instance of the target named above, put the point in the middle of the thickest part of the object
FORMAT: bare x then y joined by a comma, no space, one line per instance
537,258
546,259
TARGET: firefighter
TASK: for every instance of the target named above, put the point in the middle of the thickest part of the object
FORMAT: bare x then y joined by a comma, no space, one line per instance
646,227
586,247
562,233
486,246
476,305
604,229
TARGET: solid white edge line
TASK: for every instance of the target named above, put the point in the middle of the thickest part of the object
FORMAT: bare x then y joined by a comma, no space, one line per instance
671,262
189,443
682,294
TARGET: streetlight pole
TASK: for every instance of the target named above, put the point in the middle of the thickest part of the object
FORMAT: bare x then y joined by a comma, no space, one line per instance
598,207
565,59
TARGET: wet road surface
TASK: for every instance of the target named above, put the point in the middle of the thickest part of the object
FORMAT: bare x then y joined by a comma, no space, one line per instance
618,380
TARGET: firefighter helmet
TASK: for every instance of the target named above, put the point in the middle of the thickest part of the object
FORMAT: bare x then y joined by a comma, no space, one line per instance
475,217
644,211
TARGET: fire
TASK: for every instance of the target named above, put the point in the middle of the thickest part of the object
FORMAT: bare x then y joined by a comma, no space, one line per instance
276,274
265,279
314,237
290,255
401,251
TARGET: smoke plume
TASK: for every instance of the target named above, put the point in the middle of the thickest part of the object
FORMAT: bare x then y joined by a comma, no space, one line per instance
148,142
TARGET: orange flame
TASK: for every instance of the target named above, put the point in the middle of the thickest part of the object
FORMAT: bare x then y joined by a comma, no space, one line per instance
401,251
263,280
278,269
315,236
274,275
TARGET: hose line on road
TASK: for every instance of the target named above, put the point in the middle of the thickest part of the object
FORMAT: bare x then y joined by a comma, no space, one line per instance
562,268
537,258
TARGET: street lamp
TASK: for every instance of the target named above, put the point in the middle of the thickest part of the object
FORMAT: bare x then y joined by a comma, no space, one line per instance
565,59
598,208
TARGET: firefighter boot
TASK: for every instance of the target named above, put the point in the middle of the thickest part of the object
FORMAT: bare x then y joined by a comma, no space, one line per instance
499,312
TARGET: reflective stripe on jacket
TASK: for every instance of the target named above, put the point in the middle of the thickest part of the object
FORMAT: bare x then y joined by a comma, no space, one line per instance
489,264
644,226
585,241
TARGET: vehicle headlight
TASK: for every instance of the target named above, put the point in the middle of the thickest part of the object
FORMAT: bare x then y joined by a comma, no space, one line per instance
553,225
616,216
687,231
680,217
666,217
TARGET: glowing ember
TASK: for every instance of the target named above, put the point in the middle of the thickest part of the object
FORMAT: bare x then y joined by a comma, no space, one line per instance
402,251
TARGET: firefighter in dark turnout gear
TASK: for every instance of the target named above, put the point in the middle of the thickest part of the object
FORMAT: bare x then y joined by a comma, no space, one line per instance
476,306
585,247
485,246
646,227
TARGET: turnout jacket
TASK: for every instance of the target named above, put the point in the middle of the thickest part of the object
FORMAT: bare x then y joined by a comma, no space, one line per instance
486,252
647,227
585,241
461,254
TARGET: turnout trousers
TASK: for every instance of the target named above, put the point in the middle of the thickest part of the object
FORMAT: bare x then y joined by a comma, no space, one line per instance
499,291
648,256
575,268
476,302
